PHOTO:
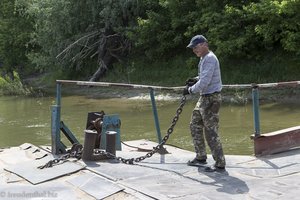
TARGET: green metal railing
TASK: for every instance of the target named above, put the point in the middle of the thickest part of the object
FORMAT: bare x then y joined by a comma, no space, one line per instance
59,147
56,124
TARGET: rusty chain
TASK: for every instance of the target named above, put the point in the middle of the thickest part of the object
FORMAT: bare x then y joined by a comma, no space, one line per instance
155,149
77,153
61,159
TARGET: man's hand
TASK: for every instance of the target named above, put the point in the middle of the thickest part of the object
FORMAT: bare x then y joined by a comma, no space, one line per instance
191,81
186,91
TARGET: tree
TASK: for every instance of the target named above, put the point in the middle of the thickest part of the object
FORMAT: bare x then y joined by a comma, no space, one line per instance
88,32
235,29
15,30
160,33
278,23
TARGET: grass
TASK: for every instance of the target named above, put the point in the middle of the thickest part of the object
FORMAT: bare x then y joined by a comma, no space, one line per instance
271,67
162,73
13,87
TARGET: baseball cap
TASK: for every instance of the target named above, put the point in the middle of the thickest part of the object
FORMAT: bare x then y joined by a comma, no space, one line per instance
196,40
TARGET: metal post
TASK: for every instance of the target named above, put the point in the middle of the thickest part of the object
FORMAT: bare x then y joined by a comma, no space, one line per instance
58,94
55,123
155,115
111,123
111,142
255,102
88,153
89,145
55,131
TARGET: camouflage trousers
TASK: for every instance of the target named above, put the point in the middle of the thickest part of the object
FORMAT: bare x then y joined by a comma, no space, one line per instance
205,124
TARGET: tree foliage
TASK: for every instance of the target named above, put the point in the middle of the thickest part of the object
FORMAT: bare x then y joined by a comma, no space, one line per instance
84,38
15,32
86,33
239,29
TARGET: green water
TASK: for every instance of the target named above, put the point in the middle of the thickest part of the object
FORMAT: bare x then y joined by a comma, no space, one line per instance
29,119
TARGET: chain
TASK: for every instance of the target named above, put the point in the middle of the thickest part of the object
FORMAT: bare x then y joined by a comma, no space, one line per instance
75,152
155,149
78,152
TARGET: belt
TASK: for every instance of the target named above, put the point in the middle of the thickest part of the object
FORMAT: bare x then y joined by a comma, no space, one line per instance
208,95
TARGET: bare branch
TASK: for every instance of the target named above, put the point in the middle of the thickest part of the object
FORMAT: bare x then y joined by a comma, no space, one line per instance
77,41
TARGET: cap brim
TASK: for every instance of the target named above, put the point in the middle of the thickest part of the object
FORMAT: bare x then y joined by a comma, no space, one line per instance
191,45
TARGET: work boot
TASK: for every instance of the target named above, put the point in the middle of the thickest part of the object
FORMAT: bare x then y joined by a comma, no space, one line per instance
196,162
214,169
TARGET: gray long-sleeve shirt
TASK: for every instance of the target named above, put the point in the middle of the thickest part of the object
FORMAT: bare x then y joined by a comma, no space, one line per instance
209,75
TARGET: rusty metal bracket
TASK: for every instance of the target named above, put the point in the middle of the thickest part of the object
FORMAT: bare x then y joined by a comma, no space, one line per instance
277,141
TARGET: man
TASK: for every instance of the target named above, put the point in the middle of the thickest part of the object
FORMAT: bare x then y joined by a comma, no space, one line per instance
205,117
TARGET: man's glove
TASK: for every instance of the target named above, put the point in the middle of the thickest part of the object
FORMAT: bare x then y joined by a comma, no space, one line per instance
186,91
191,81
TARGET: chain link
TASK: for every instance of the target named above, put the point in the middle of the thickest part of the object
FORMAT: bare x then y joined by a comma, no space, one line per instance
78,152
56,161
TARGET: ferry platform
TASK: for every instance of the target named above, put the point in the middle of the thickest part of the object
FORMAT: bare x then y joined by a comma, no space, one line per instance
159,177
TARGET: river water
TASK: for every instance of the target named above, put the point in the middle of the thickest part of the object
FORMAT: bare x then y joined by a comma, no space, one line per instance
28,120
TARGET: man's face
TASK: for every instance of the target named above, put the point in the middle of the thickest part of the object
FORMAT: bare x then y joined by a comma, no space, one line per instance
200,49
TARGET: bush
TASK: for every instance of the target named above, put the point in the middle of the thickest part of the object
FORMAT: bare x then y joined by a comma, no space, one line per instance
13,86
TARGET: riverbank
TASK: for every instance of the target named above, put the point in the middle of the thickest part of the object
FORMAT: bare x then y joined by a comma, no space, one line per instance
232,96
241,96
46,87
